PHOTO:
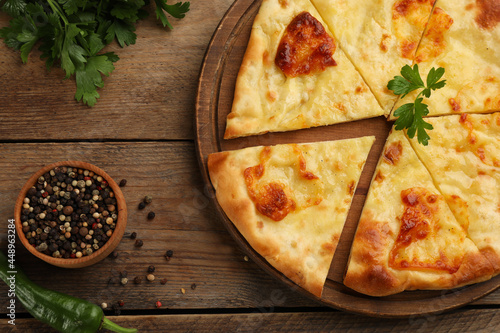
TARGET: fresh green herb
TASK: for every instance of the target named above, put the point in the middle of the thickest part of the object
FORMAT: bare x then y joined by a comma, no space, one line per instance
73,33
411,115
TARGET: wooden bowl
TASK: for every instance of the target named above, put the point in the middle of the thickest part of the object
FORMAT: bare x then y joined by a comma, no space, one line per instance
98,255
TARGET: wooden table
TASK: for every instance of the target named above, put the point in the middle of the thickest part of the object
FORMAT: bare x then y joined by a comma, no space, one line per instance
142,130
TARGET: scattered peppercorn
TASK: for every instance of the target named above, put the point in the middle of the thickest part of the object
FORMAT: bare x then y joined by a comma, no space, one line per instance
169,253
124,281
151,215
104,305
133,235
114,255
245,258
193,286
151,269
121,303
150,277
142,205
163,281
138,243
148,199
137,280
158,304
123,182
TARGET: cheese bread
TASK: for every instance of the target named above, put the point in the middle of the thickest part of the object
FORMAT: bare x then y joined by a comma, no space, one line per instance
463,157
407,237
294,75
290,201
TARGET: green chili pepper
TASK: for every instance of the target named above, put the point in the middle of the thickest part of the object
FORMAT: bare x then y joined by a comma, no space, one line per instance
65,313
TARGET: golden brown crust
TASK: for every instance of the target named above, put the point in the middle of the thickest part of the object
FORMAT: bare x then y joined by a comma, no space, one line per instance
493,257
475,268
374,280
373,277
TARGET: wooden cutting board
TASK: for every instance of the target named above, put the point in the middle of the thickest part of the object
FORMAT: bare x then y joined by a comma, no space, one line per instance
214,99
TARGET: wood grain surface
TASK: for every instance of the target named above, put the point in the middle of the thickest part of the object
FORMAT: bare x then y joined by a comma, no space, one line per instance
142,130
329,321
149,95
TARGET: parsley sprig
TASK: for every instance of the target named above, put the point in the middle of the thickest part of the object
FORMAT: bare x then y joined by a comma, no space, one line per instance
411,115
73,34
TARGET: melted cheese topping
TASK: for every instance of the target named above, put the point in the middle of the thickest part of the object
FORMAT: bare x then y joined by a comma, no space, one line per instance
409,18
275,197
393,152
433,42
463,157
305,47
415,247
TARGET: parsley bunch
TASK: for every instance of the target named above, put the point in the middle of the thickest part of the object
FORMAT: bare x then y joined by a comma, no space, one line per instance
73,33
410,115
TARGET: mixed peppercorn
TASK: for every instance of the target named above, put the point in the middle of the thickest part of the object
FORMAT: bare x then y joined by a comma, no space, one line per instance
69,213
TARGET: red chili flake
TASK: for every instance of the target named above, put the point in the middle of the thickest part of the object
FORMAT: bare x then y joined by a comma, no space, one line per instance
158,304
87,178
72,255
121,303
45,194
99,188
94,225
54,210
104,183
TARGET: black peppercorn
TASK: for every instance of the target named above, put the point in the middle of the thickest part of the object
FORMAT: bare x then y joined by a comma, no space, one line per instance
133,235
151,215
138,243
151,269
148,199
142,205
123,182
